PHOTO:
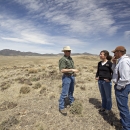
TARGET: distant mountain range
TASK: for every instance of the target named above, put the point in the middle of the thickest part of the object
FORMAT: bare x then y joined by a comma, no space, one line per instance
8,52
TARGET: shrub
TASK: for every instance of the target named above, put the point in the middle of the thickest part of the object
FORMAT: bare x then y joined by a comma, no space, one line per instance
52,96
7,105
81,81
39,69
85,67
80,69
20,80
5,125
25,90
37,85
60,86
34,78
89,78
76,108
90,69
77,85
40,128
83,87
32,70
28,82
3,87
42,90
43,68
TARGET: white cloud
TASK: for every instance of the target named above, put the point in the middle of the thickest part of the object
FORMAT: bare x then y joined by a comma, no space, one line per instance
127,34
13,39
23,30
83,17
62,22
32,5
62,41
35,37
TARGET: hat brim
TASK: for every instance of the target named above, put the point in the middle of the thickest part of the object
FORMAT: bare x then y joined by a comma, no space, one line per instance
66,50
113,51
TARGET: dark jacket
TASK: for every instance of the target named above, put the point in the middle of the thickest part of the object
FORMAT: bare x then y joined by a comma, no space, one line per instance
104,71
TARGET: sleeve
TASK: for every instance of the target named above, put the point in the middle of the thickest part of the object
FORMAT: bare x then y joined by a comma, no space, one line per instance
62,64
73,64
111,71
113,66
124,74
97,74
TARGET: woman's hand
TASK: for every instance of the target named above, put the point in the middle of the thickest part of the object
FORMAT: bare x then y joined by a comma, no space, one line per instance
97,78
107,80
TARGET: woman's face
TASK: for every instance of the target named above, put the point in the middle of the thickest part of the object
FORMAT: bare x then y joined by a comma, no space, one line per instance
102,56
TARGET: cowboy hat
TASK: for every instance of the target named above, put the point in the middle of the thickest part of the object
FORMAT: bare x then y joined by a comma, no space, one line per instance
119,48
66,48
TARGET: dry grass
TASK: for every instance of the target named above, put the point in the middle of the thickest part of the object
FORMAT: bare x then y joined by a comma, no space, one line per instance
83,87
37,86
4,86
39,81
33,70
5,125
25,90
43,90
34,78
76,108
7,105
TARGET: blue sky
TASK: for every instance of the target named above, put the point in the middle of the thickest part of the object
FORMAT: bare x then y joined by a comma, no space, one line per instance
46,26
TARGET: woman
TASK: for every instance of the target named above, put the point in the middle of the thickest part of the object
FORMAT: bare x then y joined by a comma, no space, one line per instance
104,76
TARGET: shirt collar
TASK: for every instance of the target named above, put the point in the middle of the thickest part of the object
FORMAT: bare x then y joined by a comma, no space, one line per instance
121,57
68,57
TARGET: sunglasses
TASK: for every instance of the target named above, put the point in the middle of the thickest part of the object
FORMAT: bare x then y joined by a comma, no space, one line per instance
118,51
67,51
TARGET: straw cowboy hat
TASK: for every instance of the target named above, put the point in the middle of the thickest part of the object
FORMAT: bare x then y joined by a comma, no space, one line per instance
66,48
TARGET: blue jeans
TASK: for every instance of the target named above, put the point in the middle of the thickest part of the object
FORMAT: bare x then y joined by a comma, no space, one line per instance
122,103
67,90
105,90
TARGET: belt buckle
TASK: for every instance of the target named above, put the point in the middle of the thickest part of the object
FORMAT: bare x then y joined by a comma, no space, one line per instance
68,74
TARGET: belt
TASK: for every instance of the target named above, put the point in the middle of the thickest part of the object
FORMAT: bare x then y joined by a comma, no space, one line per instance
68,74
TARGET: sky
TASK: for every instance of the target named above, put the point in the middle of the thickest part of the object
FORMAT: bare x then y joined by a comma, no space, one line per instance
46,26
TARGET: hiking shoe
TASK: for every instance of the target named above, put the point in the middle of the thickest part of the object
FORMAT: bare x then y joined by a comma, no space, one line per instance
102,109
106,112
68,106
63,111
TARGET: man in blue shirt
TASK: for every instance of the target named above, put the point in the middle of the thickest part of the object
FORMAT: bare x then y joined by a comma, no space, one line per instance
121,78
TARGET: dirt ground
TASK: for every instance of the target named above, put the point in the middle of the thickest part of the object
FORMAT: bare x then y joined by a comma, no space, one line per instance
29,92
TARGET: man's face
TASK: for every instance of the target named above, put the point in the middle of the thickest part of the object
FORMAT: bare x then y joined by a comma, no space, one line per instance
117,54
67,53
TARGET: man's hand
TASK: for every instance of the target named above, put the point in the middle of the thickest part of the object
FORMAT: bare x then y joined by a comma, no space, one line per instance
114,60
69,70
74,70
